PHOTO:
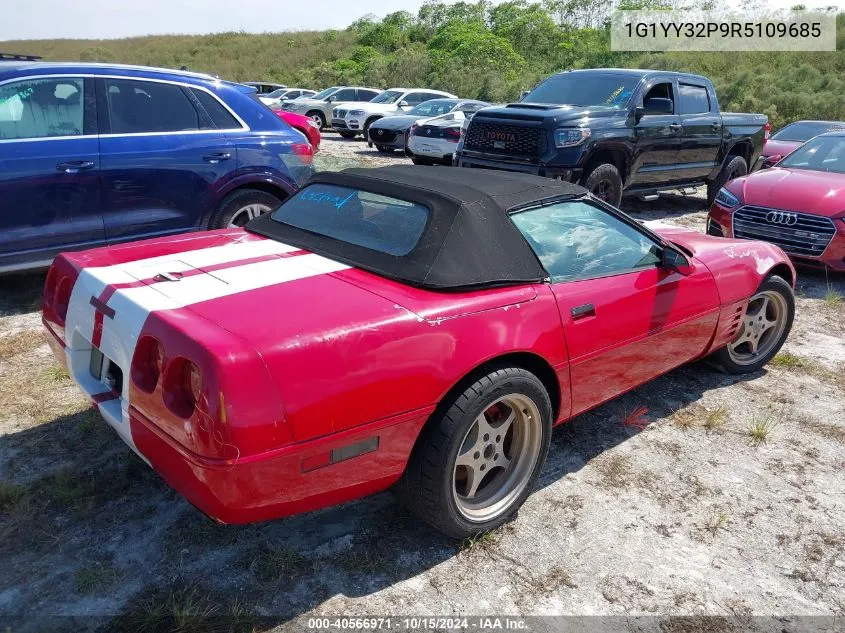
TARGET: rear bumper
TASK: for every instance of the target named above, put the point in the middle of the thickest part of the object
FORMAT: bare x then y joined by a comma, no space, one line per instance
832,258
290,480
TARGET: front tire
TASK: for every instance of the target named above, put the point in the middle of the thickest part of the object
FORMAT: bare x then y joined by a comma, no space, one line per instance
765,326
241,206
478,460
736,167
605,183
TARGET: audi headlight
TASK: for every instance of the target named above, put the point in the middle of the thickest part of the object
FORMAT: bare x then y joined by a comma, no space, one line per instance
571,136
356,112
726,199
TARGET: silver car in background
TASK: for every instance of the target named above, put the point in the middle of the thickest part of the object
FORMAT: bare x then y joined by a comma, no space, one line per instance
391,132
319,106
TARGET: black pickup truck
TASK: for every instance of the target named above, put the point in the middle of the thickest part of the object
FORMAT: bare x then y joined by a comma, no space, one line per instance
616,131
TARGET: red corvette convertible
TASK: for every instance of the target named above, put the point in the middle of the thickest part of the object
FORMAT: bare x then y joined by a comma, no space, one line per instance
398,326
798,204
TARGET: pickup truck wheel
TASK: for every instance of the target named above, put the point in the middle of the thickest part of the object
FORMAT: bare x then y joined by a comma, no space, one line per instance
767,322
241,206
605,183
478,460
734,168
348,134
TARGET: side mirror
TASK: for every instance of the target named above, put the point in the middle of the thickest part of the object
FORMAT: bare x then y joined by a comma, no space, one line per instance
677,261
332,99
524,94
655,105
403,104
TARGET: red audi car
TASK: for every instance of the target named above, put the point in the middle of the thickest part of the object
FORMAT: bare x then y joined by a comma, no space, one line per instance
799,204
398,326
793,136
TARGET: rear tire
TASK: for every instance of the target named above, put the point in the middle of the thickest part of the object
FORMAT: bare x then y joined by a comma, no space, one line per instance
734,168
765,326
605,183
242,205
455,479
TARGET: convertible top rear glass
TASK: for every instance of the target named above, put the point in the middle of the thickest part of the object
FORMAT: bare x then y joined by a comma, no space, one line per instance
422,226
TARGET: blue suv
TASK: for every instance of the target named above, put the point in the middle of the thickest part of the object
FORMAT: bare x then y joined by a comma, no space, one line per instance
94,154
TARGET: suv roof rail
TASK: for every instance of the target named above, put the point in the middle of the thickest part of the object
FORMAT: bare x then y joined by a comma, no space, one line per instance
14,57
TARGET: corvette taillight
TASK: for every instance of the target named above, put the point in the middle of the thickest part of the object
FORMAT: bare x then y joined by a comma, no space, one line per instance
147,364
182,387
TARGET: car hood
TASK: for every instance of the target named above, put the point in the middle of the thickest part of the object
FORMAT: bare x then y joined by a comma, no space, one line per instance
780,148
818,192
559,114
394,123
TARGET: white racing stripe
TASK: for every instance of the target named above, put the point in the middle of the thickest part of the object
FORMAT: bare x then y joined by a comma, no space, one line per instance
133,305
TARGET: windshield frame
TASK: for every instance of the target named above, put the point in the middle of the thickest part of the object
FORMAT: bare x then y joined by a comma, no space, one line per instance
328,93
398,93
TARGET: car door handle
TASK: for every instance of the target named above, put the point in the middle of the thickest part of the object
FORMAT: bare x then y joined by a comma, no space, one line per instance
74,166
674,127
583,311
716,125
216,158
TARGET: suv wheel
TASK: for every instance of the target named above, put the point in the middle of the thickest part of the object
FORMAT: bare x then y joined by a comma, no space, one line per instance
605,183
318,118
241,206
348,134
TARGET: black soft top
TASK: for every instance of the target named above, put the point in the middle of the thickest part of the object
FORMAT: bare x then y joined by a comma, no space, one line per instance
468,242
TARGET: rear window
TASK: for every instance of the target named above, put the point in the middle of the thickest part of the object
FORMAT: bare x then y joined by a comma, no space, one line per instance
380,223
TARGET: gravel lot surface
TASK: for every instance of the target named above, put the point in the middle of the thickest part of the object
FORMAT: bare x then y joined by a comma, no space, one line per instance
729,503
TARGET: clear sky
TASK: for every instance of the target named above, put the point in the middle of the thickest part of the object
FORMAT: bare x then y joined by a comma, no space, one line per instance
96,19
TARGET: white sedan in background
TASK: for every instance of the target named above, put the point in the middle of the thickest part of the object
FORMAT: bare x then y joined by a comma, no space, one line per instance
433,141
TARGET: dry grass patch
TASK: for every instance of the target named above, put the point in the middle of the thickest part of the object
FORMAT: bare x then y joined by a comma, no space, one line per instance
93,578
16,344
832,297
697,415
760,428
23,393
715,521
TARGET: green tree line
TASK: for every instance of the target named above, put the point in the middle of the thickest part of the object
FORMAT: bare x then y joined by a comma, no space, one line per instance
480,50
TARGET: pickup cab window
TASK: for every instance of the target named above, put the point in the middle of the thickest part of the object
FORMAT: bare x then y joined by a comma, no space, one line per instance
662,90
576,239
694,99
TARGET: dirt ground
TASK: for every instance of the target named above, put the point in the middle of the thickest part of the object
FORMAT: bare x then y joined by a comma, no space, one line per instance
730,503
